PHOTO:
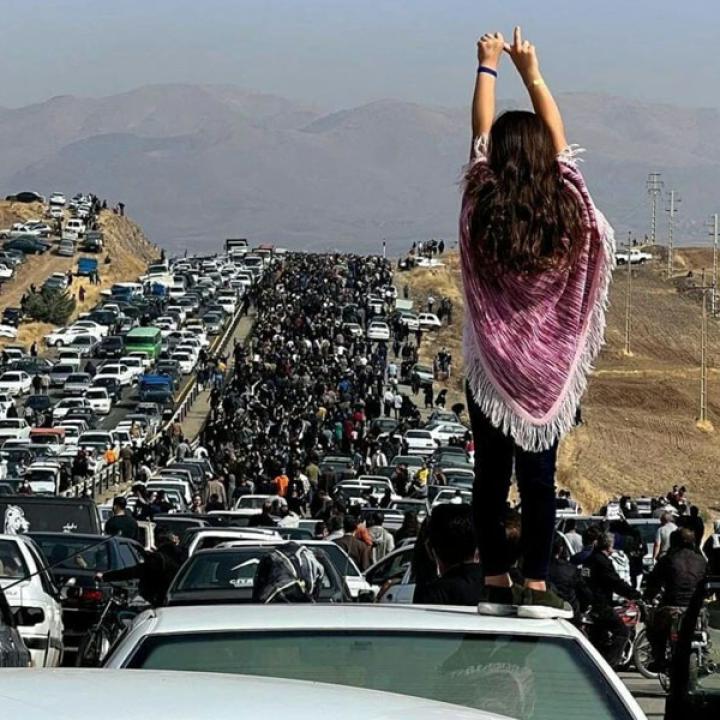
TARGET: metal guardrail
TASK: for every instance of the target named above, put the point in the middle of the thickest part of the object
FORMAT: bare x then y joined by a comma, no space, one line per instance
109,475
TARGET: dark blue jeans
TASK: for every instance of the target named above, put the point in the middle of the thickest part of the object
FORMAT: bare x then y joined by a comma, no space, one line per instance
535,474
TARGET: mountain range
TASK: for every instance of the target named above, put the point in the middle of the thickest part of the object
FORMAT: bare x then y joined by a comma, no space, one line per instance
197,163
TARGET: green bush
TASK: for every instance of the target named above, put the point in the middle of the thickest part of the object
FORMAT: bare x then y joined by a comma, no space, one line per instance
52,306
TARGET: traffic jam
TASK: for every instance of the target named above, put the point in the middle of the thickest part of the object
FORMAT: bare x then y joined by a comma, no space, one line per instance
129,541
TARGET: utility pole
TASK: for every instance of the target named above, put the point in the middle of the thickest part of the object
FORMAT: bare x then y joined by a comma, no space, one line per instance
715,228
703,423
654,188
628,296
674,200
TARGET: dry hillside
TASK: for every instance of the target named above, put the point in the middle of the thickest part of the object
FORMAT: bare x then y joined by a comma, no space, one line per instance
640,434
125,244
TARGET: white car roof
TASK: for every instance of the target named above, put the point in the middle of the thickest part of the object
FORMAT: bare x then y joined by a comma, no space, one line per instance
166,620
166,695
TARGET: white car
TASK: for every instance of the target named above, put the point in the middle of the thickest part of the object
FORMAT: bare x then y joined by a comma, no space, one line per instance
135,364
72,431
15,382
64,406
92,328
73,229
635,257
429,321
420,442
65,336
57,198
14,429
205,696
99,400
353,329
185,361
444,432
116,371
8,331
6,272
498,664
378,331
144,357
70,357
20,557
56,212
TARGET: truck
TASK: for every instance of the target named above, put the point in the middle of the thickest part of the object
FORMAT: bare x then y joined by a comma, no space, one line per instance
236,246
634,257
86,266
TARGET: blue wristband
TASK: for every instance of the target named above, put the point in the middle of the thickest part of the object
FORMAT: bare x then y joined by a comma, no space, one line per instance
487,70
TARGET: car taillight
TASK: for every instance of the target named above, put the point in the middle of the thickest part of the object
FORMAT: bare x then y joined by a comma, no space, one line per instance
91,595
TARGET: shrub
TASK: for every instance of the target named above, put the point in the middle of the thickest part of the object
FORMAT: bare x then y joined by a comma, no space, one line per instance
53,306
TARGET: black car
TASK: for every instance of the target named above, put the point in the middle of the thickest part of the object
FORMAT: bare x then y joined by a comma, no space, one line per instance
226,575
11,316
92,242
112,346
82,556
49,512
38,403
27,196
113,387
29,244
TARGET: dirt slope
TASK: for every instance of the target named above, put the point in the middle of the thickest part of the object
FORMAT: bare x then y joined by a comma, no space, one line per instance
125,244
640,434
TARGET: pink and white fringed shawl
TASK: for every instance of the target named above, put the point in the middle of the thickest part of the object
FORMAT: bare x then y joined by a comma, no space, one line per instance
530,341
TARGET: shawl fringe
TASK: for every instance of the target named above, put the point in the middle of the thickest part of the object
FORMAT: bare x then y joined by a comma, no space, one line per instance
528,435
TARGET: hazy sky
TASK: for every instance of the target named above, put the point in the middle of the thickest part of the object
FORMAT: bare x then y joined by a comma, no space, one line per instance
344,52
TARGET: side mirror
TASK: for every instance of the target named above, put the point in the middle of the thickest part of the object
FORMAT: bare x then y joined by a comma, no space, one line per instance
25,616
366,596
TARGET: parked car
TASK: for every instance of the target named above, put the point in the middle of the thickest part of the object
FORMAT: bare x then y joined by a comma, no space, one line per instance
14,428
66,248
419,442
169,696
15,383
21,558
378,331
99,400
445,654
82,557
27,244
117,371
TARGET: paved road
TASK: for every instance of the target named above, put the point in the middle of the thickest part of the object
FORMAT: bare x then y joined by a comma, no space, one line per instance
648,693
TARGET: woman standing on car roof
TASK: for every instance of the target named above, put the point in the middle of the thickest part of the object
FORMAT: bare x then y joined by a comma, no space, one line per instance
536,261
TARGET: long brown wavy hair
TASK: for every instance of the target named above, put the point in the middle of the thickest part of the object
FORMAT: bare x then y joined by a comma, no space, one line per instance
523,219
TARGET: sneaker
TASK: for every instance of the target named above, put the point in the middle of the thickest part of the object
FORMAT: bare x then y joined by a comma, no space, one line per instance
500,601
543,605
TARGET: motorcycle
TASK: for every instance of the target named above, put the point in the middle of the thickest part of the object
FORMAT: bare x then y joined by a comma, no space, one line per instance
632,615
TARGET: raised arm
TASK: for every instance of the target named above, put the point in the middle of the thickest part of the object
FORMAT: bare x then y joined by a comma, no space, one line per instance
527,64
490,48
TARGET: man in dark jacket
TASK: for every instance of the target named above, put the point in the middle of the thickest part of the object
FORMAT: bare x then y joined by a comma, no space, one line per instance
357,550
676,575
451,536
566,579
121,523
156,573
609,634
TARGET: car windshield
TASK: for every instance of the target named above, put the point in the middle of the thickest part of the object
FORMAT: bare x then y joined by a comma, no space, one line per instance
10,423
533,678
247,501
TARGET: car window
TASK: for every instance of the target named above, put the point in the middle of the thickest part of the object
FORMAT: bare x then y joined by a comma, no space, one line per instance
526,677
12,564
128,557
75,553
